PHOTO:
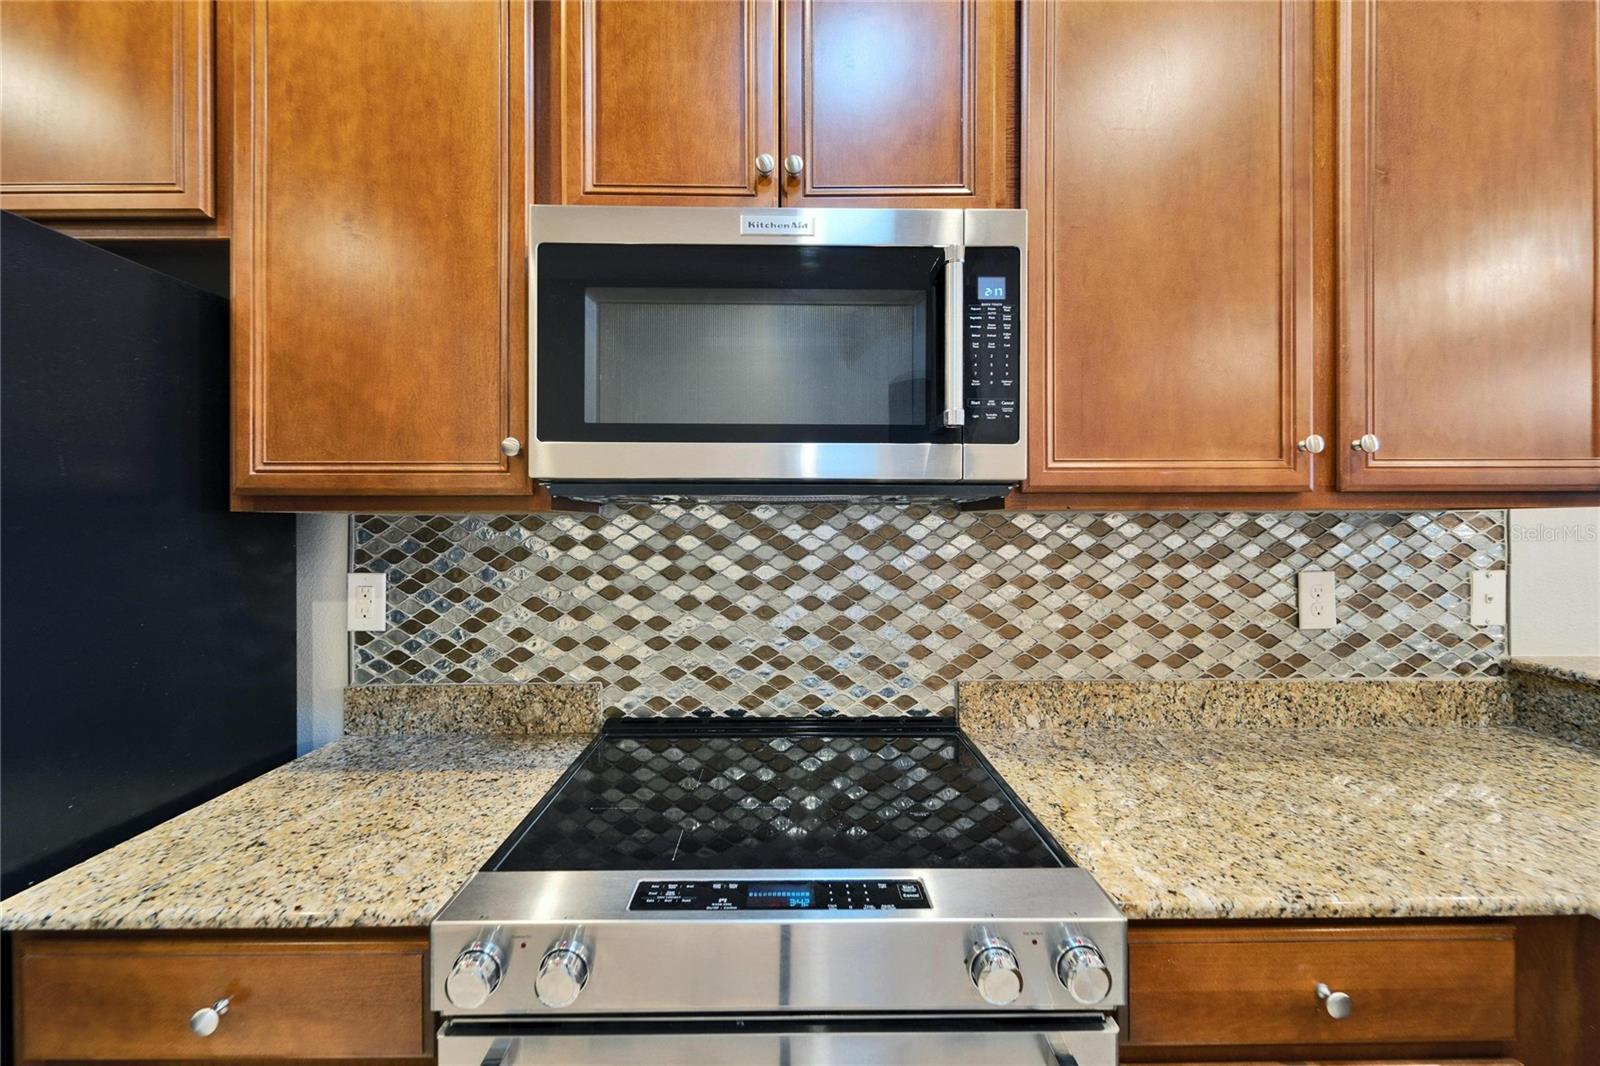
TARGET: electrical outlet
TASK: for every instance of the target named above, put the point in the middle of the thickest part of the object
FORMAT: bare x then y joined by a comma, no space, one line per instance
1316,596
1488,598
366,608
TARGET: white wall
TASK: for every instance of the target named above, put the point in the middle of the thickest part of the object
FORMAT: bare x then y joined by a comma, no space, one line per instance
322,646
1555,581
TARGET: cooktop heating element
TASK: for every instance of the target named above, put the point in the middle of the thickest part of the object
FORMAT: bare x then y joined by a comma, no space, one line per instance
783,891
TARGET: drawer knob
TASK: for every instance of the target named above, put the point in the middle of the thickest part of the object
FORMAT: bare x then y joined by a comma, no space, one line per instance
1339,1004
204,1021
1367,442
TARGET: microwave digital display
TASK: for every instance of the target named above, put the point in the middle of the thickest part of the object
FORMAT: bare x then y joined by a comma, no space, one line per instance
992,288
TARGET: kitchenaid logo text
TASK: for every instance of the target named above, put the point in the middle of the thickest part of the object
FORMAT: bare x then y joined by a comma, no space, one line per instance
790,225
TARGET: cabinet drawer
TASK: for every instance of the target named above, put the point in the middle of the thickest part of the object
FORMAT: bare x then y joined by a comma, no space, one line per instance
116,997
1212,984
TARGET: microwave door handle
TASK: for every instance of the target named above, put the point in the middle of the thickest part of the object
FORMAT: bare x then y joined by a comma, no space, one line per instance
955,316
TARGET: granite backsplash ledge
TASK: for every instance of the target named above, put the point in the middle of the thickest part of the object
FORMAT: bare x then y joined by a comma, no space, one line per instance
1025,706
529,710
1558,697
877,609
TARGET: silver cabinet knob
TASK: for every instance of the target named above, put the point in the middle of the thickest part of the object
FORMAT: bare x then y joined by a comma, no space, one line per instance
510,446
1083,972
1338,1003
995,972
765,164
476,973
562,973
793,164
204,1021
1313,444
1367,442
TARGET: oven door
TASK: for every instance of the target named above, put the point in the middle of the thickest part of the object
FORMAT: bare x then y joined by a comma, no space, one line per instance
1089,1041
668,347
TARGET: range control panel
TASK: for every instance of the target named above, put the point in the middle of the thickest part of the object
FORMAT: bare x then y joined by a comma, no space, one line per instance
993,358
831,895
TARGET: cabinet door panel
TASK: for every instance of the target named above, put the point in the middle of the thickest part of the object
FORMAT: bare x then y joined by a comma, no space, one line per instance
1468,282
105,108
129,997
1170,220
379,290
1206,984
901,104
664,102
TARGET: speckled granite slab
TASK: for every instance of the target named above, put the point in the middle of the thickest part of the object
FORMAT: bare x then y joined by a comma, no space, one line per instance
1024,705
368,831
1247,823
526,710
1273,823
1559,697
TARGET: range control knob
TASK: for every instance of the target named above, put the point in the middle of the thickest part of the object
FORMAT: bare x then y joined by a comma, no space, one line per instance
995,972
1083,971
563,972
476,973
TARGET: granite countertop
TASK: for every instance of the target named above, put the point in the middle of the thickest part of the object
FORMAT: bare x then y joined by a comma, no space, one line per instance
367,831
1232,821
1345,822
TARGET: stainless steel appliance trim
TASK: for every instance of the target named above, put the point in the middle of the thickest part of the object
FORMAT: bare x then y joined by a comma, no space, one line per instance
1094,1044
996,462
777,461
862,227
764,461
816,961
955,337
1003,228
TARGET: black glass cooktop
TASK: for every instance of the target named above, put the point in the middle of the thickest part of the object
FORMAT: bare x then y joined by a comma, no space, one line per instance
653,795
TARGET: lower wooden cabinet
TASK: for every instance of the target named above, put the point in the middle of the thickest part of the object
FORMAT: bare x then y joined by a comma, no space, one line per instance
1244,985
130,997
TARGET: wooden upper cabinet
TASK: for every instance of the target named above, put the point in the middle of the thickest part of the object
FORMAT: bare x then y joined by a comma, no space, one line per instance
379,285
1168,186
908,103
659,103
900,104
106,108
1468,233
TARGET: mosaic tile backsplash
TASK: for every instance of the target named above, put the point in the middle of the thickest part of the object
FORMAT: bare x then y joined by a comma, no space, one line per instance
867,609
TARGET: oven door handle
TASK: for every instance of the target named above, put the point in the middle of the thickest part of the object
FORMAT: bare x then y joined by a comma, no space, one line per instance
531,1043
955,335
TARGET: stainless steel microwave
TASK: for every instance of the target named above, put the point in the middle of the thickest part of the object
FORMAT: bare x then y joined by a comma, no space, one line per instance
776,351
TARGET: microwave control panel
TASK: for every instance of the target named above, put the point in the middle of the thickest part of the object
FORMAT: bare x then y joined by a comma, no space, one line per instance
994,345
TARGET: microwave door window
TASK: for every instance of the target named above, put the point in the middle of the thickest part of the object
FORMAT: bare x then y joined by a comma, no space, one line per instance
740,344
798,357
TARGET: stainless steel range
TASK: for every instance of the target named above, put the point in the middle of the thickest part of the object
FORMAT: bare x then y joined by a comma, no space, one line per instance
829,891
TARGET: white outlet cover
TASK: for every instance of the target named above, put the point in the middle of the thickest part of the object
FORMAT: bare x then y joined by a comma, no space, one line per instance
366,602
1488,598
1317,599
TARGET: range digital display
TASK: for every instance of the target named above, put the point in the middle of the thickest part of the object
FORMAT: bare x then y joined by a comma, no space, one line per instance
830,895
778,894
992,288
